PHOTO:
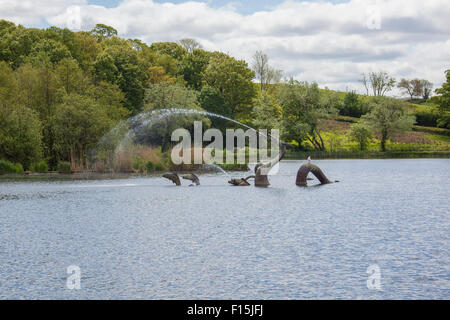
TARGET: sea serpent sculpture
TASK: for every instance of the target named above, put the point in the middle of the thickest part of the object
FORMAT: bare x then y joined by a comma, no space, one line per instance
176,179
173,177
262,169
192,177
261,174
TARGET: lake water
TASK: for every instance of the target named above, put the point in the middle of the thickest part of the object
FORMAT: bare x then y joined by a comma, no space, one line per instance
143,238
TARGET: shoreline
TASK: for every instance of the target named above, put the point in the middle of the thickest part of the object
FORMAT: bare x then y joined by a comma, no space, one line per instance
90,175
368,155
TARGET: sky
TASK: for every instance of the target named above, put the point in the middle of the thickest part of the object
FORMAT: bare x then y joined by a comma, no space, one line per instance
329,42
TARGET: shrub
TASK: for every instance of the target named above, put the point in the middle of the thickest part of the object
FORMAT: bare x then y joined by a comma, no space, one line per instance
353,106
426,118
361,134
154,166
7,167
19,168
40,167
64,167
150,166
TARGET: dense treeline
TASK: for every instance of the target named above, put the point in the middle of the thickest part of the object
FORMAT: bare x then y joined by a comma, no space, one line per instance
61,91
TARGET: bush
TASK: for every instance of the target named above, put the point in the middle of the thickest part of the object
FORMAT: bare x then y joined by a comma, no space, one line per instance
7,167
353,106
19,168
426,118
40,167
361,134
151,166
64,167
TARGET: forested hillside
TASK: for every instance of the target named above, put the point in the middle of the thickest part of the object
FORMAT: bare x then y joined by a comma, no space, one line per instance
61,91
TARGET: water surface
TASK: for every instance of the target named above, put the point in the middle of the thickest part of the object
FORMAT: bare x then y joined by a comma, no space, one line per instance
143,238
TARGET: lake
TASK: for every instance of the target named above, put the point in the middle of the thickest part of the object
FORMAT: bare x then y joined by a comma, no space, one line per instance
144,238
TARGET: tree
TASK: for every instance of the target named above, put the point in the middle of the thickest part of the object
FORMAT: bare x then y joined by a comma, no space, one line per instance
106,69
86,49
111,98
190,44
8,85
407,87
70,76
172,49
365,83
213,101
102,31
157,74
264,72
351,106
169,96
300,102
266,113
233,79
55,51
444,102
427,88
166,95
192,67
417,86
380,82
120,64
361,134
387,116
16,43
79,122
20,135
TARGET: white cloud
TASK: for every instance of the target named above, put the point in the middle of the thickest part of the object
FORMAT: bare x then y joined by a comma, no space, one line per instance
313,41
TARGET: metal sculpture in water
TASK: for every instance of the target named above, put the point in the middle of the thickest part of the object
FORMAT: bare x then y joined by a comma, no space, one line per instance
263,169
173,177
305,169
192,177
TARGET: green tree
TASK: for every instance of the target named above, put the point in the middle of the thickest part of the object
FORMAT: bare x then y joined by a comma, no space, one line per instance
106,69
86,49
110,97
352,106
361,134
265,73
192,67
102,32
54,50
20,135
213,101
233,79
190,44
387,116
169,96
172,49
78,123
444,102
16,43
70,76
266,113
300,102
8,85
120,64
380,82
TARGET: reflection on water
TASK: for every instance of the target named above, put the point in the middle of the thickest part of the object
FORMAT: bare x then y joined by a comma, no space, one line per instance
144,238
